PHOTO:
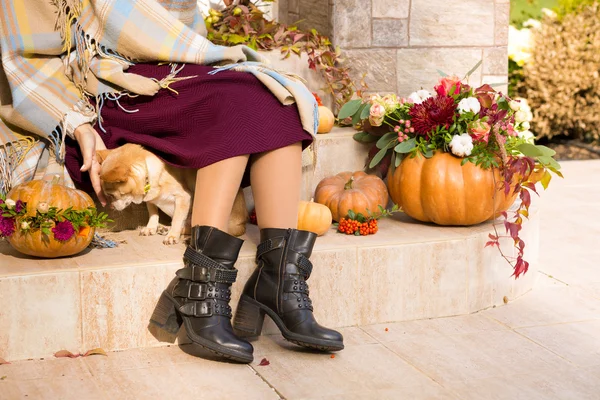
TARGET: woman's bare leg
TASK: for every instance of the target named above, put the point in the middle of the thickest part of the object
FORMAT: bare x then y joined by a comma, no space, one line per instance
216,188
276,177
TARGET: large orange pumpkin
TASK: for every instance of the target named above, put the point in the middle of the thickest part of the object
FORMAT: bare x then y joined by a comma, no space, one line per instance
34,243
441,190
356,191
314,217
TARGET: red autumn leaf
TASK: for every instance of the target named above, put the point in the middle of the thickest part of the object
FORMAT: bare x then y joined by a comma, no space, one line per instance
264,362
490,243
3,361
94,352
493,237
65,354
521,267
525,198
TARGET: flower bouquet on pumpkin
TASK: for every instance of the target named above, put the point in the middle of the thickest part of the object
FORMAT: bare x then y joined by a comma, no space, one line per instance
479,126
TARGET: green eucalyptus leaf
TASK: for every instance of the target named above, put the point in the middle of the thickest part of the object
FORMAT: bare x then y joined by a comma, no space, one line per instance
349,109
442,73
385,139
398,161
406,146
356,118
378,157
365,137
474,69
365,111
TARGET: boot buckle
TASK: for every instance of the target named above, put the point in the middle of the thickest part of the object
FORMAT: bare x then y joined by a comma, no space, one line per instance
201,274
197,291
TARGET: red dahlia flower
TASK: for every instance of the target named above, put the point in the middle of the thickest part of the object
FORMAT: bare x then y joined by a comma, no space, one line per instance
7,226
63,231
433,112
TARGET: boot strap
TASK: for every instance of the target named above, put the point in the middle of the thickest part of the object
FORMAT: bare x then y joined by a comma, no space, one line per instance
205,309
293,257
200,291
205,269
295,286
270,244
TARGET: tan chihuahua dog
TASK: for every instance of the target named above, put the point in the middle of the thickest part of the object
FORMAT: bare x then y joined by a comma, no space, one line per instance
131,174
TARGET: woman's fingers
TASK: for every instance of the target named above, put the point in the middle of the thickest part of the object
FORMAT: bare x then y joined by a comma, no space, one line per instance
95,178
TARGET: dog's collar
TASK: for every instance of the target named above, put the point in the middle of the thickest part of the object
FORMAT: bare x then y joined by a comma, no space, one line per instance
147,186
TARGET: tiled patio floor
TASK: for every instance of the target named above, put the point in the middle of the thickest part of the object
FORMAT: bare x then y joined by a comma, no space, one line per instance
545,345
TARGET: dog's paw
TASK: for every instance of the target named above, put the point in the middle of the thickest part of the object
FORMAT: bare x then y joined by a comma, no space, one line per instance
171,240
163,230
147,231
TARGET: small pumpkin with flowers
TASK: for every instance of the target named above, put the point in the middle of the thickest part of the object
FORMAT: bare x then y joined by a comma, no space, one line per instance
43,218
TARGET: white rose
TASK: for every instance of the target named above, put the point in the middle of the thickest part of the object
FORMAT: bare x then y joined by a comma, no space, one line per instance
522,116
419,96
525,126
24,225
43,207
469,104
10,203
461,145
527,135
515,105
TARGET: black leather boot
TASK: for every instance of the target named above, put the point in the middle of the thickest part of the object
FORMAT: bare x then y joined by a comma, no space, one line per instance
199,295
278,288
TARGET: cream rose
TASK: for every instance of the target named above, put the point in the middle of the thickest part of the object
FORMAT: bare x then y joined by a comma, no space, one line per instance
43,207
10,203
377,114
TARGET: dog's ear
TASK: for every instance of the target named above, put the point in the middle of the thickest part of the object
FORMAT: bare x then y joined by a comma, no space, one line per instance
101,155
120,173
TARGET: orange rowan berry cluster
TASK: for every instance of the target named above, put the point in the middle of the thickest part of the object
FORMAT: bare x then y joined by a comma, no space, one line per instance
351,227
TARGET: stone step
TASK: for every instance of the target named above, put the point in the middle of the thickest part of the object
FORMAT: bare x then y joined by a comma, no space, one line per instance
104,298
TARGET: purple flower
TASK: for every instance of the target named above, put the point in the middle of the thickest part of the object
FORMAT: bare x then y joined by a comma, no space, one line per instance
19,206
63,231
7,226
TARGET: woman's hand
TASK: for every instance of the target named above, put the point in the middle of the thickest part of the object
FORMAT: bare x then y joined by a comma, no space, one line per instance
89,142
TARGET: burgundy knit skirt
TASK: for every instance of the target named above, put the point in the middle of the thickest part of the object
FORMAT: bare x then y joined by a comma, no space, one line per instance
209,119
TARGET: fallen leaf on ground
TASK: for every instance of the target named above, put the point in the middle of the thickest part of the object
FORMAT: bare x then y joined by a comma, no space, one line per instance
95,352
3,377
65,353
264,362
3,361
386,329
505,300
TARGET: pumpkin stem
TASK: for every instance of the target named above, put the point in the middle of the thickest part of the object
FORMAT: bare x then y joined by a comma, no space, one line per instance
348,184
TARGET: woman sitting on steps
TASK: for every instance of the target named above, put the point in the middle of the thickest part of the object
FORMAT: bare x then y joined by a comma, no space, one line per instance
85,75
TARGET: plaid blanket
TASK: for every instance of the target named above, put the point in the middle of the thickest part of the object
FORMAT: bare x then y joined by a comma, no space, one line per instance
56,54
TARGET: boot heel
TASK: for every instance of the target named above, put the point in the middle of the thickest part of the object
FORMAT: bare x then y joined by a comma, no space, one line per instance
165,315
249,318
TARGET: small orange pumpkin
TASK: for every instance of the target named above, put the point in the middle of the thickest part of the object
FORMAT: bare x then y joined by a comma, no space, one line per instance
326,120
34,243
314,217
356,191
441,190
